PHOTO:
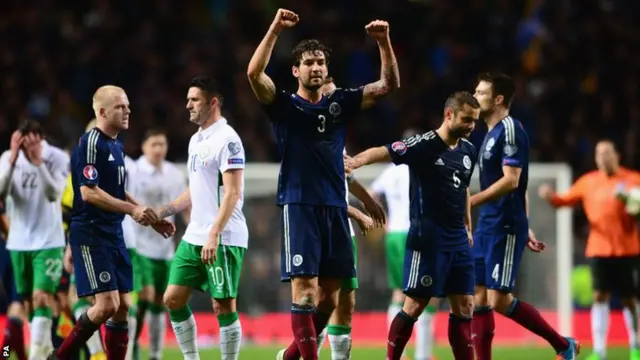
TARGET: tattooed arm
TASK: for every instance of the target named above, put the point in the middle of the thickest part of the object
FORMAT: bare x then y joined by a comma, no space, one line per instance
178,205
389,73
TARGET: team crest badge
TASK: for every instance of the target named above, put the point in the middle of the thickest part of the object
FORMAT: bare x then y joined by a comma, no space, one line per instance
490,144
466,161
105,277
90,172
426,281
335,109
204,150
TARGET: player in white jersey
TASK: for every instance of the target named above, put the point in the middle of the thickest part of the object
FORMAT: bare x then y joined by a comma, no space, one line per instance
156,183
32,176
211,252
393,184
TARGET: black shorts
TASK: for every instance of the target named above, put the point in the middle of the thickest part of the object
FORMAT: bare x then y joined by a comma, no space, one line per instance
620,275
65,281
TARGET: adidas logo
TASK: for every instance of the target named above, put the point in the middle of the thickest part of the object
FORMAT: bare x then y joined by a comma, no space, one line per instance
111,157
439,162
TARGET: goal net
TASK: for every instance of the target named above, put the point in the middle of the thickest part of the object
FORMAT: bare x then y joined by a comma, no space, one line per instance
543,279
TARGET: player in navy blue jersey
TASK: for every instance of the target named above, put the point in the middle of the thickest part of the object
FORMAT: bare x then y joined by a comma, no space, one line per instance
310,131
438,259
503,228
101,262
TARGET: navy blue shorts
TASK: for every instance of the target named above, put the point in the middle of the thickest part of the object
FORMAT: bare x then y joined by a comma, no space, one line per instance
429,274
100,268
498,268
9,291
316,242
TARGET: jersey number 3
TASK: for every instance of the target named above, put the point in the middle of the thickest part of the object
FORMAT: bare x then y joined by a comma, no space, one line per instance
323,122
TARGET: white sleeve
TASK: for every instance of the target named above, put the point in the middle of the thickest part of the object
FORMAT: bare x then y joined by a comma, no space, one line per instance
379,185
231,155
6,173
54,175
179,184
130,183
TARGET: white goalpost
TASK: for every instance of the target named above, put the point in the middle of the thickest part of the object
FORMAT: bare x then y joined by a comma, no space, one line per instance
544,279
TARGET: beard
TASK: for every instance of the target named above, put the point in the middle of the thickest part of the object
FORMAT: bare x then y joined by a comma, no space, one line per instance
487,112
459,132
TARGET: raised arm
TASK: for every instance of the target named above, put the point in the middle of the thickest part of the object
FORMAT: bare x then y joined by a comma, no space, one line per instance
570,198
262,85
389,73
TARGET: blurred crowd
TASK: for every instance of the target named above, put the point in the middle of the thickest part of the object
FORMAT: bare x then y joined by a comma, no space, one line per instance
575,62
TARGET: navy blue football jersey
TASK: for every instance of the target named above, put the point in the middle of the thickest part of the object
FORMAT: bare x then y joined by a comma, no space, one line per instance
507,144
439,178
311,139
98,160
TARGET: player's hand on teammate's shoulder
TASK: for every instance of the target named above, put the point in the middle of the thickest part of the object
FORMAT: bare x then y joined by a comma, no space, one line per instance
210,249
534,244
349,164
285,19
377,29
16,143
33,149
164,228
68,260
545,191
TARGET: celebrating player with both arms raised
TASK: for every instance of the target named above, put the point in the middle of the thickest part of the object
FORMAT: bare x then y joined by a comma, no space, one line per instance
310,129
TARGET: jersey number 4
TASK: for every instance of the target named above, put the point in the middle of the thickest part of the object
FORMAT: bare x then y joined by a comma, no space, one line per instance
495,274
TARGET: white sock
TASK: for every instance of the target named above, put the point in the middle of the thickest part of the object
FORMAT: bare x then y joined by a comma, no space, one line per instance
340,347
424,336
230,340
94,344
187,335
320,340
600,327
40,337
392,311
157,324
631,320
131,323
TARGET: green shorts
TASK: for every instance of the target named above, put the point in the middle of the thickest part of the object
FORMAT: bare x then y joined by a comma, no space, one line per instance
221,279
395,247
154,273
37,270
352,283
137,270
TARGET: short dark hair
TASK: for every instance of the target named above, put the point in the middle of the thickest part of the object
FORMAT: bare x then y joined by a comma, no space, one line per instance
501,84
310,45
209,86
30,126
459,99
153,132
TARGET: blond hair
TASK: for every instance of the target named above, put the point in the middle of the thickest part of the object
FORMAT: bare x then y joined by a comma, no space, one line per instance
102,95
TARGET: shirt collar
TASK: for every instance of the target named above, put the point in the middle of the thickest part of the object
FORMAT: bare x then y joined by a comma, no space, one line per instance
204,134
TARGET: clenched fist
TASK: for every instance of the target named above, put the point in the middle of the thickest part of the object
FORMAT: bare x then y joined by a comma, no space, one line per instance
378,29
285,19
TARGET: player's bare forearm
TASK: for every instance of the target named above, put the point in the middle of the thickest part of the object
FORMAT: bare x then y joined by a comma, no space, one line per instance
262,85
101,199
507,183
131,199
562,200
52,184
182,202
353,212
371,156
389,75
526,203
359,191
232,181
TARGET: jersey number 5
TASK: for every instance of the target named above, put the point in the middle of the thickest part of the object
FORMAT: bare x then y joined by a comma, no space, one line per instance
323,120
456,179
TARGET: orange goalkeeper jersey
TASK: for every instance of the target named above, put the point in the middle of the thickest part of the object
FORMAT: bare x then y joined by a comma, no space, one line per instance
614,233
